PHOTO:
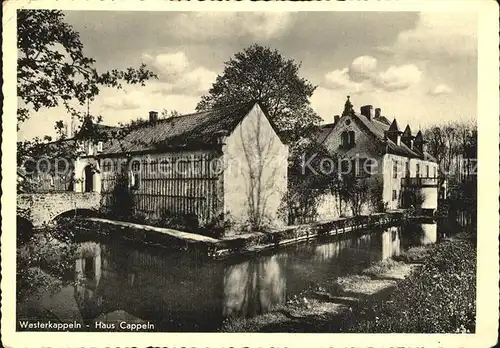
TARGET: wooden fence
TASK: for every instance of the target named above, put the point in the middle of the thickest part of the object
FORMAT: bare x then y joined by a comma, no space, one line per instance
170,184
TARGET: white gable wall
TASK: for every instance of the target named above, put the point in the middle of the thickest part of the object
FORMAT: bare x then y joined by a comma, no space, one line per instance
255,174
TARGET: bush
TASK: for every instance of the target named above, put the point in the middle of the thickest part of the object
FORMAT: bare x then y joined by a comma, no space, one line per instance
380,268
414,255
437,298
44,262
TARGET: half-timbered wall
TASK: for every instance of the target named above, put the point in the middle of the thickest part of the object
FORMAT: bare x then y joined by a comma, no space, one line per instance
177,183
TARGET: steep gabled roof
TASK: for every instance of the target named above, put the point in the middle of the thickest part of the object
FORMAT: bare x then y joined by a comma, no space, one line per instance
407,131
419,137
394,126
196,129
377,130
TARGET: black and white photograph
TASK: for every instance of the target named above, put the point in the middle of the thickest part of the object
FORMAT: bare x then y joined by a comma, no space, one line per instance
250,171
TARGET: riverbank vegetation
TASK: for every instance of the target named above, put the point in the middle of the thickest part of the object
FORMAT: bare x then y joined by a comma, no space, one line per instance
43,263
437,296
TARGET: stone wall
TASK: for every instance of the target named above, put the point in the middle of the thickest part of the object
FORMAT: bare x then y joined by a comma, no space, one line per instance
42,208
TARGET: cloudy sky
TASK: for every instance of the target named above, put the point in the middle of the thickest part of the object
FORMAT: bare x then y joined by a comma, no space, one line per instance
418,67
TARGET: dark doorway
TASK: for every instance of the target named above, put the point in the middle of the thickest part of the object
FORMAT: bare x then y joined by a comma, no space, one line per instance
408,199
89,179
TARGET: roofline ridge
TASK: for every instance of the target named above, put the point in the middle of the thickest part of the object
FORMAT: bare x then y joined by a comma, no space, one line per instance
203,111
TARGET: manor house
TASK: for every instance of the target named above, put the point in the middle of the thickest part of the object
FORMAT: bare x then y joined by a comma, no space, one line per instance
397,158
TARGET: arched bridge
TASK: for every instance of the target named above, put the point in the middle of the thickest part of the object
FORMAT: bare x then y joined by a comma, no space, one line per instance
42,208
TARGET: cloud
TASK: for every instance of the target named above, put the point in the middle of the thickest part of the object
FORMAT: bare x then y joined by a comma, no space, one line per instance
441,89
398,77
341,79
363,67
170,65
176,74
362,76
195,82
219,26
118,102
439,34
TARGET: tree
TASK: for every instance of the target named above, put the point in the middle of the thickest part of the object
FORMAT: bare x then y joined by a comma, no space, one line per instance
261,74
311,173
356,192
169,113
53,70
454,145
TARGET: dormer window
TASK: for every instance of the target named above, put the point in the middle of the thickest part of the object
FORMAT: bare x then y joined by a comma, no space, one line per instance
347,139
344,139
351,138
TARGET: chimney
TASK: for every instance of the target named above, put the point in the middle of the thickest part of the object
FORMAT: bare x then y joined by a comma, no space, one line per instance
367,111
378,112
336,119
67,128
153,116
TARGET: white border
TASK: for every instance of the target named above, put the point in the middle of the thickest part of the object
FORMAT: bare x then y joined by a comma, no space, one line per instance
488,222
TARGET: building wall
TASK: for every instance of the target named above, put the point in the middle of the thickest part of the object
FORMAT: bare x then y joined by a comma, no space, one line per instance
169,184
363,142
255,175
365,148
392,179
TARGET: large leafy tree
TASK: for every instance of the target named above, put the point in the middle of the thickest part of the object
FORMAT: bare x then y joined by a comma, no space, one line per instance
261,74
53,70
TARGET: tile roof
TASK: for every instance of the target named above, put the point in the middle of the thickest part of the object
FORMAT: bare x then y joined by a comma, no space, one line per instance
323,132
383,119
377,128
194,129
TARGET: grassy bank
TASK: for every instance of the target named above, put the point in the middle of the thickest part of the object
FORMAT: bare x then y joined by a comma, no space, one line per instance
436,294
439,297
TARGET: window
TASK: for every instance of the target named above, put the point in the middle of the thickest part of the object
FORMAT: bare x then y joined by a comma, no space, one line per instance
106,166
368,166
154,167
407,169
435,172
351,138
99,146
345,166
395,169
135,175
427,171
347,139
355,167
344,139
394,195
417,174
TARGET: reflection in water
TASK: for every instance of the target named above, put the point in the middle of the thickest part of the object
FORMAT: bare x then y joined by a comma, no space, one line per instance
179,291
391,242
429,234
254,286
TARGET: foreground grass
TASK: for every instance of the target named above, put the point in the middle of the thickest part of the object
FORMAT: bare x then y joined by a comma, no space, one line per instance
439,297
435,297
